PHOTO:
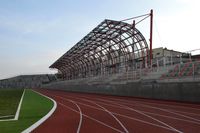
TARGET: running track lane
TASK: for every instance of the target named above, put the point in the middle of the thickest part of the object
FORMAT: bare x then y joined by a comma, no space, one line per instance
92,113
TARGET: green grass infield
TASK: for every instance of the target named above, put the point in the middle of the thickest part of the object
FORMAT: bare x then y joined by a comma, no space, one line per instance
34,107
9,100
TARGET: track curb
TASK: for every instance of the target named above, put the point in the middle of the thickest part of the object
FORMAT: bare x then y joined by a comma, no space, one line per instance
44,118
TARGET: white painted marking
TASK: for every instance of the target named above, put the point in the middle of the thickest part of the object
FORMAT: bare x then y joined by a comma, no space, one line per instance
153,103
198,115
142,111
80,112
19,107
104,109
125,129
91,118
157,114
122,115
166,110
145,122
176,106
6,116
18,110
39,122
146,116
8,119
81,116
170,117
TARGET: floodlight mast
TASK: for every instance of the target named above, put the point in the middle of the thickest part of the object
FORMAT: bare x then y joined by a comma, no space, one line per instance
150,52
151,36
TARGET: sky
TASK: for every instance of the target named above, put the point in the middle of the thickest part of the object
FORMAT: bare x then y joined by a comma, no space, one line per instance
35,33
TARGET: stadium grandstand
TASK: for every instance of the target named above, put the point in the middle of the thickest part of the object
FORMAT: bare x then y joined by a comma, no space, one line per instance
117,51
112,47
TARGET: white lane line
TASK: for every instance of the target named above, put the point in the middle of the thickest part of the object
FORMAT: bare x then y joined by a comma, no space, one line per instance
106,110
170,117
81,115
174,106
190,121
102,123
44,118
165,110
124,115
6,116
159,104
153,102
7,120
146,116
19,107
198,115
145,122
80,112
137,103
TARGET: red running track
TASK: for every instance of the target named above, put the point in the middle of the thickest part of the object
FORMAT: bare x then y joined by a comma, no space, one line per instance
92,113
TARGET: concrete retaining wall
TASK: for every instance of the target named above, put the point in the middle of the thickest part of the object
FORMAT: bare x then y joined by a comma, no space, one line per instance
181,91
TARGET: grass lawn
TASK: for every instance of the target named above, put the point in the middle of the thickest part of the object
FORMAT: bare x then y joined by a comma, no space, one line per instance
9,100
34,107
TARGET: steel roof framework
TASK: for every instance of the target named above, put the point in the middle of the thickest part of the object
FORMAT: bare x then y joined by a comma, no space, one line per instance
109,47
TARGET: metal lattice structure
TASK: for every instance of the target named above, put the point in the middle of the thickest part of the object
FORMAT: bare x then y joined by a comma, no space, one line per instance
111,47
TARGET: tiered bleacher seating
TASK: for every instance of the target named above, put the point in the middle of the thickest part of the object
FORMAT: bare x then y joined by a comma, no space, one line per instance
129,75
183,70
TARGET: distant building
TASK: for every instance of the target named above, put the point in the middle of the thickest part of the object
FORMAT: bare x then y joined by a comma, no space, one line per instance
164,52
164,56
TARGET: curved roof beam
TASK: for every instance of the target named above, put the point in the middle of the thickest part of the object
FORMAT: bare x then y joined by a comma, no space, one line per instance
108,41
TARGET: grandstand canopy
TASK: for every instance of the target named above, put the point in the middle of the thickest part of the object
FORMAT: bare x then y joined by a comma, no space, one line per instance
109,48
